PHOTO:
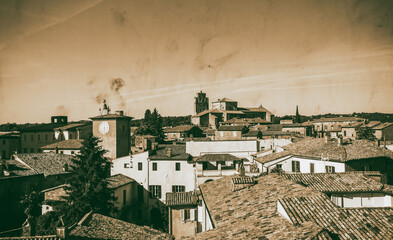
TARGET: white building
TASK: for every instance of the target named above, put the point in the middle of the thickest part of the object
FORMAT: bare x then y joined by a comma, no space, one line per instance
168,169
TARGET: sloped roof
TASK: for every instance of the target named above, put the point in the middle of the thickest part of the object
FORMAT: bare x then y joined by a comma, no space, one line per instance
217,158
47,163
346,182
251,213
338,119
178,152
244,121
382,126
252,133
208,111
353,223
276,133
9,134
182,128
372,124
358,149
231,128
43,127
73,126
293,125
352,125
272,157
97,226
210,131
15,168
181,199
110,116
225,100
118,180
66,144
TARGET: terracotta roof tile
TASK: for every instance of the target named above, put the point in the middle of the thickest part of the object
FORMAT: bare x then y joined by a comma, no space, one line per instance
182,128
118,180
231,128
382,126
339,119
251,213
178,153
354,223
181,199
273,156
97,226
47,163
67,144
346,182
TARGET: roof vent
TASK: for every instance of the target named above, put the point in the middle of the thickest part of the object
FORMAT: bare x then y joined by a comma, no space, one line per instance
239,183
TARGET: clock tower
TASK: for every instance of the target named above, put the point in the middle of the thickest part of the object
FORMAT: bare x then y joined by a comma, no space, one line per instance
114,131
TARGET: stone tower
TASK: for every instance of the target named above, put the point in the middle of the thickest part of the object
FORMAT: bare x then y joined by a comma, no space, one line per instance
201,102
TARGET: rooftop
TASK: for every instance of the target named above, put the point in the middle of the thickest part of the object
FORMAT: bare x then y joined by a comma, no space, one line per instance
273,156
67,144
382,126
181,199
15,168
209,111
47,163
73,126
339,119
110,116
251,213
118,180
178,152
372,124
43,127
252,133
231,128
244,121
225,100
97,226
353,223
182,128
9,134
219,157
346,182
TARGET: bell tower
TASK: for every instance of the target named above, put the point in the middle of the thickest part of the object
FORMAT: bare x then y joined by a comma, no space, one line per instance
201,102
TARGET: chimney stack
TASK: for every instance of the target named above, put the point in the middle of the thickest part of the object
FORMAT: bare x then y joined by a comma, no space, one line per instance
169,152
121,113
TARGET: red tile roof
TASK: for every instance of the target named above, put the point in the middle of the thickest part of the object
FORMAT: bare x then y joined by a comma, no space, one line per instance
67,144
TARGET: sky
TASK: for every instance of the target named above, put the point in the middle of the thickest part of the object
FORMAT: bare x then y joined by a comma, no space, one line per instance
63,57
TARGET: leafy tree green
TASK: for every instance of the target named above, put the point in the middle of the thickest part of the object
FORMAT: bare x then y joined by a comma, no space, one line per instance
31,203
366,133
151,124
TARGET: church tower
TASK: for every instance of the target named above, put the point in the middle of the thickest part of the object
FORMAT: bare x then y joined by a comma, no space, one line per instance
297,117
201,102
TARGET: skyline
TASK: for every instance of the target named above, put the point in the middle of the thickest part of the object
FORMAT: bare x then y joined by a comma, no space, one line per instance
65,57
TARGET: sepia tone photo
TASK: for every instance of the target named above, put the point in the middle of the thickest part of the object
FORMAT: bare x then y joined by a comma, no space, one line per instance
196,119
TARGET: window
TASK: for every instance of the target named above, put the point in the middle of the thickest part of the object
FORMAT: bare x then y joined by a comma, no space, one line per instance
154,166
70,136
279,166
139,166
155,191
295,166
61,152
234,134
311,167
345,133
178,188
204,166
188,215
177,166
72,152
126,165
330,169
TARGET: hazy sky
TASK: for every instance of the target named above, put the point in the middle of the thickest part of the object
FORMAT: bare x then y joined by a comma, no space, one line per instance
63,57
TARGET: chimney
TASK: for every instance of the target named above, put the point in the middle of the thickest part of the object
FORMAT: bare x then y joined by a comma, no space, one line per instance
121,113
62,231
169,153
340,140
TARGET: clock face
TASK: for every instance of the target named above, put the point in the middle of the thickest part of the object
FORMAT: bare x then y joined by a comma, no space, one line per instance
104,127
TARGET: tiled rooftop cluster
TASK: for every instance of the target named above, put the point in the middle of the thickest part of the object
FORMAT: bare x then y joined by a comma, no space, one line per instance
251,213
348,224
47,163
